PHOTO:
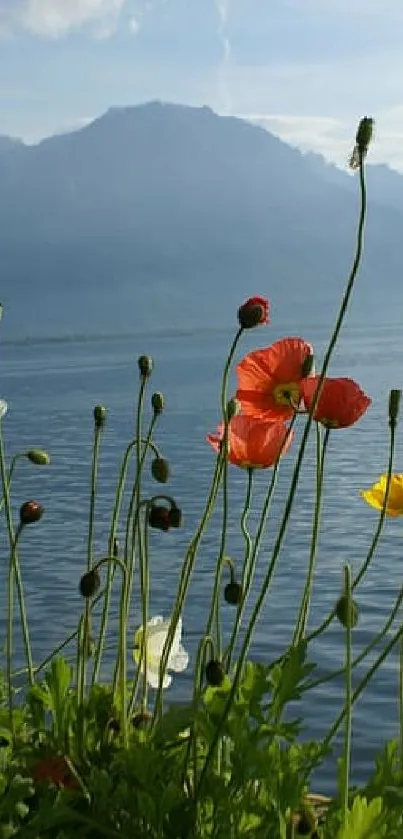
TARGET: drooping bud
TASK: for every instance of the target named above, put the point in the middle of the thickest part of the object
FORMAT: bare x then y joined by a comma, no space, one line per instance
345,616
308,366
254,312
214,673
100,413
90,583
31,512
394,405
160,470
175,517
305,822
233,408
233,593
158,517
39,457
364,134
145,364
157,403
141,719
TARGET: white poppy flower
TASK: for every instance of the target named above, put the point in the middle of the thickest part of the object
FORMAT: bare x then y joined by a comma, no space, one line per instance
156,635
3,408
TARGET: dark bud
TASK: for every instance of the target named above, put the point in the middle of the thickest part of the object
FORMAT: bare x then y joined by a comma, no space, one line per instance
39,457
364,134
100,413
157,403
233,593
158,517
308,366
141,719
113,725
31,512
394,405
305,822
214,673
255,312
345,617
175,517
145,363
90,583
160,470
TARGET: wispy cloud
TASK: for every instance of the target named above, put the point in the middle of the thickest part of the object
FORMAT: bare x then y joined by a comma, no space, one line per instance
56,18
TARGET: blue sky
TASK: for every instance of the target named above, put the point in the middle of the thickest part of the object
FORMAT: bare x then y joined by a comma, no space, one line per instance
305,69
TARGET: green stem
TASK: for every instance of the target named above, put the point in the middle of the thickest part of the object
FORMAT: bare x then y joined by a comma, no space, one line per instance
112,533
144,562
297,469
86,623
363,684
190,557
304,609
400,701
348,702
10,475
368,649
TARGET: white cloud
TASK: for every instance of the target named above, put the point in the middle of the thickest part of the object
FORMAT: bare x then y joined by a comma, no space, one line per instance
55,18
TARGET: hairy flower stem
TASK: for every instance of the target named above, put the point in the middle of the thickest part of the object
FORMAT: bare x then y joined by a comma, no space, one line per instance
190,557
400,702
297,469
112,534
348,701
83,657
368,649
375,539
303,616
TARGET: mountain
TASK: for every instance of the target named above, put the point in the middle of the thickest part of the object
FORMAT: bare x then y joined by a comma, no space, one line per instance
165,216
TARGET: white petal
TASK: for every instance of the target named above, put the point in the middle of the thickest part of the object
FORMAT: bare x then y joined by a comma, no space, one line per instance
3,408
156,639
153,678
180,661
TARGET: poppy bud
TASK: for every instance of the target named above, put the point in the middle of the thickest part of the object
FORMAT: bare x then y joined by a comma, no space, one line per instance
31,512
364,134
157,403
233,408
90,583
100,413
145,363
254,312
233,593
394,405
158,517
305,822
39,457
214,673
141,719
175,517
342,612
308,367
160,470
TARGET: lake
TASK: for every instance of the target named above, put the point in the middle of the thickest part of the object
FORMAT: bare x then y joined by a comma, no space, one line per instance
52,387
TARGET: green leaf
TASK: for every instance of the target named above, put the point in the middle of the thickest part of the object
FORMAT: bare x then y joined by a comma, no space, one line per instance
364,821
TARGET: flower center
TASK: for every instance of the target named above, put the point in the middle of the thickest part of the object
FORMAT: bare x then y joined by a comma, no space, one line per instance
287,394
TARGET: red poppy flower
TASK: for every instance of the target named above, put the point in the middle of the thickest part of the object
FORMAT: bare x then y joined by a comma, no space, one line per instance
253,444
269,380
54,770
341,401
254,312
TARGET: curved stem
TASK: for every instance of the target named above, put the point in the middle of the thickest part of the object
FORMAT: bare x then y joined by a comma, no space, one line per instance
348,703
86,616
297,469
190,557
10,475
302,620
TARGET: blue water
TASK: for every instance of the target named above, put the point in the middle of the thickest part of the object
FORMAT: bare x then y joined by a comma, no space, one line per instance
52,387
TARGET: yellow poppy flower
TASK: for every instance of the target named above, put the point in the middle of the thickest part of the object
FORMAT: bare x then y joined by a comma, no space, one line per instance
375,496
